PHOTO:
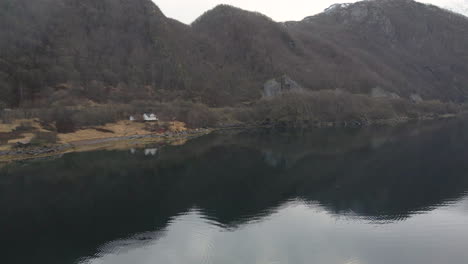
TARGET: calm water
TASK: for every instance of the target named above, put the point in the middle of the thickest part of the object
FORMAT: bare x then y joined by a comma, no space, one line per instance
331,196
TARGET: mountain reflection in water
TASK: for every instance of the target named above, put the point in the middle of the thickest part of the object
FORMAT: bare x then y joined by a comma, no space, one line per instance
376,195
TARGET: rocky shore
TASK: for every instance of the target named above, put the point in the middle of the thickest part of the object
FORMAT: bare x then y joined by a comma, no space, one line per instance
26,151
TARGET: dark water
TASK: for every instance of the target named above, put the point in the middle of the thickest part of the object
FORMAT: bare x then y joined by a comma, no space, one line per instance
330,196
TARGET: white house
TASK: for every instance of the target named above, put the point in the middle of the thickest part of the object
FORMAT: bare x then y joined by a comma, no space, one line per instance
150,117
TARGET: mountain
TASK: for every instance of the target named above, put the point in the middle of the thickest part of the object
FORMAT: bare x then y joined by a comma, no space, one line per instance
94,49
66,51
399,45
247,46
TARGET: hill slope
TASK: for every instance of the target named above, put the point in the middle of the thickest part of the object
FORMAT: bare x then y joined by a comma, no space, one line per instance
401,45
63,51
100,49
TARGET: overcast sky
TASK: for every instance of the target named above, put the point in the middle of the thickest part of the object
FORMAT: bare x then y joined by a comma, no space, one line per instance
280,10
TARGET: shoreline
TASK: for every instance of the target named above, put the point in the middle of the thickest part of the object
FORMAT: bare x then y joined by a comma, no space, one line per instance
176,138
110,143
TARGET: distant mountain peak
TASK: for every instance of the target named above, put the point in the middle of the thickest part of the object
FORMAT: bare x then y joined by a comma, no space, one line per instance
226,7
224,11
334,7
378,11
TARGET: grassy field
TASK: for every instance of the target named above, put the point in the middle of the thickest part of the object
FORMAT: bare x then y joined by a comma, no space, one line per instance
31,131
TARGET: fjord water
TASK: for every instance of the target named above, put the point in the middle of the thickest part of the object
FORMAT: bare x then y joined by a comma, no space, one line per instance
334,196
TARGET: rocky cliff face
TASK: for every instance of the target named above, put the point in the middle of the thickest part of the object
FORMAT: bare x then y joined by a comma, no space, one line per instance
54,51
277,86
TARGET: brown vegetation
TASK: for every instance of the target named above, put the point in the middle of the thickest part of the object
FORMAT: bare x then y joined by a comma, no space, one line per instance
314,108
298,108
62,53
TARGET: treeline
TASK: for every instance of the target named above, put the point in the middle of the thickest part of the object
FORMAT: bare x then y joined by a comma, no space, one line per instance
306,108
293,109
68,119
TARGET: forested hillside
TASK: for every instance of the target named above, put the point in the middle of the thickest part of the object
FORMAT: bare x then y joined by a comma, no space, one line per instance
66,52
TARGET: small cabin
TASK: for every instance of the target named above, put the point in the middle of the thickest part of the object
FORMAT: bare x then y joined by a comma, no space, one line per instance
150,117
